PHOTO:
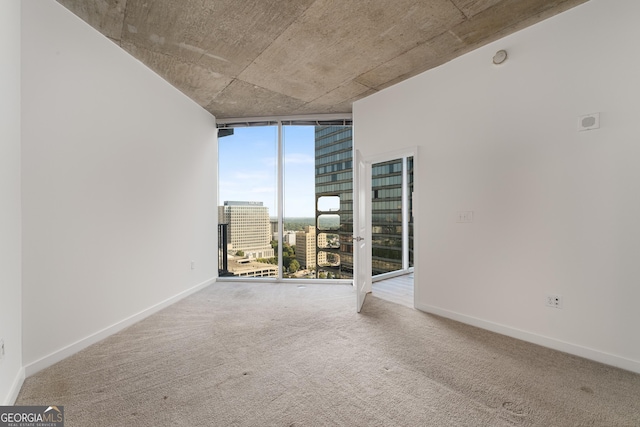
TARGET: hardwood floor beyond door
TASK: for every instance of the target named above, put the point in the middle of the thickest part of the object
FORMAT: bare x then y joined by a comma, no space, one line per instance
396,289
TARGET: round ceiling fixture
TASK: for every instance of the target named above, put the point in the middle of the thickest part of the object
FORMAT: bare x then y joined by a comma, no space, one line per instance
500,57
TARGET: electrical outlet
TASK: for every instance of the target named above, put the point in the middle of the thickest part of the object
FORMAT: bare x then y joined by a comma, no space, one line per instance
554,301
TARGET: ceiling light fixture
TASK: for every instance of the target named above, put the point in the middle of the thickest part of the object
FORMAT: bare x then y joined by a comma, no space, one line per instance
500,57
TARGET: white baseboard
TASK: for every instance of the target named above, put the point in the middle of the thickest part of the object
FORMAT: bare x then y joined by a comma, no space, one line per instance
576,350
10,399
72,349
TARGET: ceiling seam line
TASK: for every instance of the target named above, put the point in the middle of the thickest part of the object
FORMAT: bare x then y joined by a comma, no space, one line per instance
399,55
124,18
275,39
460,10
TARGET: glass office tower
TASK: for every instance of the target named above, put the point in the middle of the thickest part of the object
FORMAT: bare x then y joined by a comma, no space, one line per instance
334,177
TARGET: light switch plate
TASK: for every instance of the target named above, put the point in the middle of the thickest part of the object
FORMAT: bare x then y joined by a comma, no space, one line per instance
464,216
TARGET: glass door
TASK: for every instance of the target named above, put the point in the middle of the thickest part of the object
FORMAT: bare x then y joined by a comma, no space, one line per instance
391,215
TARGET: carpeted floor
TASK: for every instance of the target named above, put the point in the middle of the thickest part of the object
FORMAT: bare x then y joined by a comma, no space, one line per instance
242,354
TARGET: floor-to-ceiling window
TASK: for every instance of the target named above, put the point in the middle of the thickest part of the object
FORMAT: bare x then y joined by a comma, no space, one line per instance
247,200
299,232
277,217
286,203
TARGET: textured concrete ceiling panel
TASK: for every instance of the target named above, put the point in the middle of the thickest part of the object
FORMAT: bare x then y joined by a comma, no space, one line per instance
105,16
341,94
473,7
250,58
321,108
420,57
250,27
507,17
449,45
224,35
199,83
339,100
233,102
334,42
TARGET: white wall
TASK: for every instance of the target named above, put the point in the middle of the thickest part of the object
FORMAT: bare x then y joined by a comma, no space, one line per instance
118,187
11,373
556,210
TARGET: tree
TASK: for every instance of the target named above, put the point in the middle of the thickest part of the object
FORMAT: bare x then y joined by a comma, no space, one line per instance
322,275
286,260
288,250
294,266
240,253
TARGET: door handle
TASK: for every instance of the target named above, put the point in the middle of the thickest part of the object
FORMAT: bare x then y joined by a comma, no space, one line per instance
358,238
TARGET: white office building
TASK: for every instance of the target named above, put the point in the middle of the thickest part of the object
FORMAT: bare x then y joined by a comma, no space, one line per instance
249,228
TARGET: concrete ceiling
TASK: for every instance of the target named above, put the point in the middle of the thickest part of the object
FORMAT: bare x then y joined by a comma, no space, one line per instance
256,58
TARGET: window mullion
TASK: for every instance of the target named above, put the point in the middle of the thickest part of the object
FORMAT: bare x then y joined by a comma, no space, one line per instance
280,196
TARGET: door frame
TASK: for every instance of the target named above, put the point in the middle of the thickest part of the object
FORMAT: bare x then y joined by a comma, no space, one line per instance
366,258
361,228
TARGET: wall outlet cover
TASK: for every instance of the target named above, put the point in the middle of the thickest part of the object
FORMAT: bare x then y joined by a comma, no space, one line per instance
554,301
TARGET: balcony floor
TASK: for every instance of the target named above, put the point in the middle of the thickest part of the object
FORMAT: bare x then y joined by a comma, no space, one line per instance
396,289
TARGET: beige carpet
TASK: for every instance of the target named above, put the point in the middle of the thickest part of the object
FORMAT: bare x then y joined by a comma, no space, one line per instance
283,355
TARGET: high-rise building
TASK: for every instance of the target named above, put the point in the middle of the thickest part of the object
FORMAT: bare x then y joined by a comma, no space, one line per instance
386,217
289,237
334,177
249,228
306,247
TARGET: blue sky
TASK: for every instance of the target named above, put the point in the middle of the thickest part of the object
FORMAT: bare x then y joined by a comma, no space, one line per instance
247,168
